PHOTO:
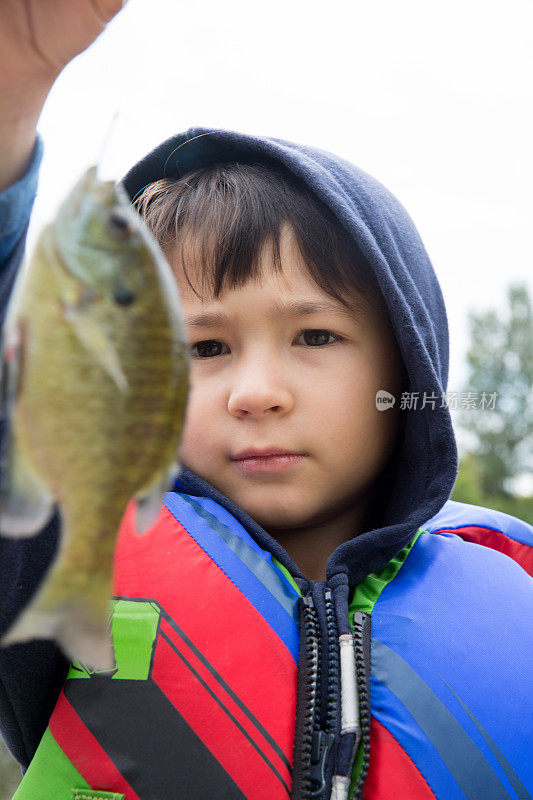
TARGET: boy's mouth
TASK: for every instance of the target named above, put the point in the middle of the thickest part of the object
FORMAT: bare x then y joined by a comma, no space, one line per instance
268,460
263,452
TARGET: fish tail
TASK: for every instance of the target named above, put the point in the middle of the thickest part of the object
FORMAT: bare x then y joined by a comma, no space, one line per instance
73,620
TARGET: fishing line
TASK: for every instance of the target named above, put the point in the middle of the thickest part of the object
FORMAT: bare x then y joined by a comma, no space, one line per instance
105,143
209,133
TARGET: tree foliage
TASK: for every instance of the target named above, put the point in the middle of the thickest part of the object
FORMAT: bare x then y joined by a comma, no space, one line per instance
500,359
468,489
9,774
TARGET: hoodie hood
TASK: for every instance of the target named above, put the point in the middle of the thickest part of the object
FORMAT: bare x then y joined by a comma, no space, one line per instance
423,468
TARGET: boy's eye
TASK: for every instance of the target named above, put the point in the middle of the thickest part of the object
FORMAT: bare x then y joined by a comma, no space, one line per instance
208,349
317,338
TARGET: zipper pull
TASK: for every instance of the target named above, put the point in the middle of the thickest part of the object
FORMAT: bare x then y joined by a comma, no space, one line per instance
321,744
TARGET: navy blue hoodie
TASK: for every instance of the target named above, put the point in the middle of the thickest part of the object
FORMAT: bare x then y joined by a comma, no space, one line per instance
423,467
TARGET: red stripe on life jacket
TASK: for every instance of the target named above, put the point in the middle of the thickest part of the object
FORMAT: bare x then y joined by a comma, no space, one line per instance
488,537
391,774
233,649
84,752
253,764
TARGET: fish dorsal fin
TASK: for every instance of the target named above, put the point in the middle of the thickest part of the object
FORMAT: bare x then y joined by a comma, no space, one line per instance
25,504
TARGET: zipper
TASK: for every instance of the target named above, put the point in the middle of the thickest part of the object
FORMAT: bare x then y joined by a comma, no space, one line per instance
319,713
311,651
333,663
361,643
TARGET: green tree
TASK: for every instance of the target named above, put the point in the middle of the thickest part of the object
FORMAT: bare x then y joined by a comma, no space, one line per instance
500,365
468,489
9,774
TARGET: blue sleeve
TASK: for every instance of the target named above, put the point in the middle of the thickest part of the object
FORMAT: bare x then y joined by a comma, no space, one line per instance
16,204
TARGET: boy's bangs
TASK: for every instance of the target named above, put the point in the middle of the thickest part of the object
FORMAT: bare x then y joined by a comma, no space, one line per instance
218,222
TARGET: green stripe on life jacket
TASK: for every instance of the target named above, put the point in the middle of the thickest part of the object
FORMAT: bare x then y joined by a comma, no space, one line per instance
134,628
51,774
56,782
367,593
89,794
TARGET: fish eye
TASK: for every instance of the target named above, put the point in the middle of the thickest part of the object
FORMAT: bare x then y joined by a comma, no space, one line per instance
123,296
120,220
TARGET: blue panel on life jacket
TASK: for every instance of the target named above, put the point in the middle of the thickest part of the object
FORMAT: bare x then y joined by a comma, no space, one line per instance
449,659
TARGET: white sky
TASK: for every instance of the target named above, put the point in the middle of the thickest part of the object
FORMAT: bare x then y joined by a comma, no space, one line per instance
433,99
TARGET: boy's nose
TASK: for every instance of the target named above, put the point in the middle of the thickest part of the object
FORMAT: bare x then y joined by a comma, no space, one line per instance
257,392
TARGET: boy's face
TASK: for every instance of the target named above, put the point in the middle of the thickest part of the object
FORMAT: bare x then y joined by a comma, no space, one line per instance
282,416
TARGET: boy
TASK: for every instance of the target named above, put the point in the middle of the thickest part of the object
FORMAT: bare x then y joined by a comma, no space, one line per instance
304,521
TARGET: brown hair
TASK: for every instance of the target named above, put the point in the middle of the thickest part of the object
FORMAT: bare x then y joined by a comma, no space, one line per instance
224,214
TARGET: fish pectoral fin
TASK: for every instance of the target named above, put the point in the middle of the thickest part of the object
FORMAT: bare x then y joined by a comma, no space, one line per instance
149,500
90,334
25,504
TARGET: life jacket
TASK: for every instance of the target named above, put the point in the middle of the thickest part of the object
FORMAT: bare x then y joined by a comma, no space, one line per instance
209,630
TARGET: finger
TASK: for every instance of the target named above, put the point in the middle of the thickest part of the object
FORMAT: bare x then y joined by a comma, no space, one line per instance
105,10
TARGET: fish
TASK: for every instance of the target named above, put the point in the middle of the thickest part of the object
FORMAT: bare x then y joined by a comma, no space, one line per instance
94,380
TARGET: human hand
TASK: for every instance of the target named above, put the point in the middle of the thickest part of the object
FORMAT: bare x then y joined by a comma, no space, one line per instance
39,37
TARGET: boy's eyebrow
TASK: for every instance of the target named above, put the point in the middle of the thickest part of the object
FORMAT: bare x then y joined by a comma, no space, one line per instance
294,308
